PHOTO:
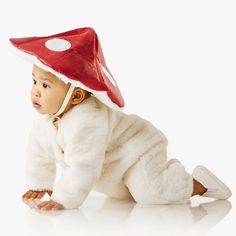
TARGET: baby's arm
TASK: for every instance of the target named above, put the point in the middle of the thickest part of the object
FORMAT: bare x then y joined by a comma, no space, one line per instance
84,155
40,168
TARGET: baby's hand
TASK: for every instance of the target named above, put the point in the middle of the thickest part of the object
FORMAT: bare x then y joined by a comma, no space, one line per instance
50,206
34,195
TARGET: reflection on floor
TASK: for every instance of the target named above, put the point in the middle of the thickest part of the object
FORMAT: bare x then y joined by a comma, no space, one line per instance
105,215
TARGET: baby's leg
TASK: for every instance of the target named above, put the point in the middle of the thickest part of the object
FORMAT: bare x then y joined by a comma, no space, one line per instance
154,180
198,188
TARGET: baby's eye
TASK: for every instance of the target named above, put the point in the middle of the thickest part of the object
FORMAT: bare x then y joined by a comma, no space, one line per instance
34,81
45,85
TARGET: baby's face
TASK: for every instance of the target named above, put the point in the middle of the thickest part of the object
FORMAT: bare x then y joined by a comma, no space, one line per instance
48,91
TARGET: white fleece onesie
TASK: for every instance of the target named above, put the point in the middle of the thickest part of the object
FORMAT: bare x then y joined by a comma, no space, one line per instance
119,154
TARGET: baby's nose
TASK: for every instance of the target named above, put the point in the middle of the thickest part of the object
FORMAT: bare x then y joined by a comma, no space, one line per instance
36,93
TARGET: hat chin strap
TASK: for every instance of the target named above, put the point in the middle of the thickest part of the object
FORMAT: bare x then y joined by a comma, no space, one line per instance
65,102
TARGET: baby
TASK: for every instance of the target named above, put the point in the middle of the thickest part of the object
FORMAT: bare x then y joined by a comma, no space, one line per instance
80,125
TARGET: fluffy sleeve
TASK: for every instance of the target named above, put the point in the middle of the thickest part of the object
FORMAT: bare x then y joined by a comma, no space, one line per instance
84,155
40,167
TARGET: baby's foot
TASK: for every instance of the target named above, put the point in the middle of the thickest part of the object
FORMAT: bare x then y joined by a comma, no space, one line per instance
215,188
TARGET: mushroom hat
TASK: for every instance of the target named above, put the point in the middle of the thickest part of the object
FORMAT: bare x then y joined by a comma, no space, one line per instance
75,57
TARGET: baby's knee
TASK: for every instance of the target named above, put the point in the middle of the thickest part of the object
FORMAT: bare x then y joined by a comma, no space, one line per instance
138,188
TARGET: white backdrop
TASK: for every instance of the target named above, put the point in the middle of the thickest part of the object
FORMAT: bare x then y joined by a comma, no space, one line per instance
174,62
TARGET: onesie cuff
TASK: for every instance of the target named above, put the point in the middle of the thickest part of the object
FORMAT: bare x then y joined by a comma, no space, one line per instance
68,200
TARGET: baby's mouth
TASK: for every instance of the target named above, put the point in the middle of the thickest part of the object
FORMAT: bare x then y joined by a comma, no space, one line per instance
36,105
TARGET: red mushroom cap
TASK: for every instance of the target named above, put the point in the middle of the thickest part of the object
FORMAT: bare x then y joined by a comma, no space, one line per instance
74,56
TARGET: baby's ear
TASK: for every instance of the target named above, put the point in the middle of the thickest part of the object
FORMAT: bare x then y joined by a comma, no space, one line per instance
78,96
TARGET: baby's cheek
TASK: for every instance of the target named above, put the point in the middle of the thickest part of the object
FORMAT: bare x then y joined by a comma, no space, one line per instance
53,104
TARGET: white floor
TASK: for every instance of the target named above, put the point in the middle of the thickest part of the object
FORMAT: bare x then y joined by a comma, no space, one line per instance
100,215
